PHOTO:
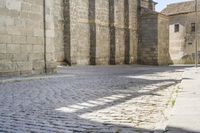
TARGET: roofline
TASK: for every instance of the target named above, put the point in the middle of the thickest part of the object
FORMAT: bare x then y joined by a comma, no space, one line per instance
181,13
180,2
178,13
155,2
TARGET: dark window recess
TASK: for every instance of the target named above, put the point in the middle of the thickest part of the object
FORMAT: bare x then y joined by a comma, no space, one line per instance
190,43
176,28
193,27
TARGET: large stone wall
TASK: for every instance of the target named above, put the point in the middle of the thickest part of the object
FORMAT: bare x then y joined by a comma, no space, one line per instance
100,31
153,48
22,49
78,32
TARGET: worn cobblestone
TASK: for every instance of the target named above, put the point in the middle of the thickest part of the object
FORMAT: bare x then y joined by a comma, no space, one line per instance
107,99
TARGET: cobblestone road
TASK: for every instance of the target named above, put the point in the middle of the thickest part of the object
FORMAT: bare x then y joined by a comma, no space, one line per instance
107,99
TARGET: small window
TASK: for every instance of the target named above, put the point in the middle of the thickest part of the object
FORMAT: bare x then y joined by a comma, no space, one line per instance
176,28
193,27
190,43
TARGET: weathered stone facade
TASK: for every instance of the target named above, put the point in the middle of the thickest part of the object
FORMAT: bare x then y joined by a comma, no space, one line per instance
37,35
148,4
153,48
100,32
22,36
182,40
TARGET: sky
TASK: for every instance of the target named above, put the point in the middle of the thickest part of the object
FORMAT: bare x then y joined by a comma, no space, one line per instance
163,3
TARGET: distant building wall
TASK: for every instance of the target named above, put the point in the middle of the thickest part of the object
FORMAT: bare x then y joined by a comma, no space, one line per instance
182,42
182,28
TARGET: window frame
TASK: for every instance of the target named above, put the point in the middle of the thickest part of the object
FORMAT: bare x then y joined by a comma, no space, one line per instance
176,28
193,27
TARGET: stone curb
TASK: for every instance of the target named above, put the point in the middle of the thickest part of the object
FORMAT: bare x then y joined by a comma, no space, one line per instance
161,128
22,79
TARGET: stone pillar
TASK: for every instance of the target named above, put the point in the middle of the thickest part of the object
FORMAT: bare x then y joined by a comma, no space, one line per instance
77,32
50,36
102,32
119,32
112,31
59,30
92,34
133,26
67,32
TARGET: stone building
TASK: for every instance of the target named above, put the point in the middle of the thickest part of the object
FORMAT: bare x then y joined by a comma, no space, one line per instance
153,47
37,35
182,28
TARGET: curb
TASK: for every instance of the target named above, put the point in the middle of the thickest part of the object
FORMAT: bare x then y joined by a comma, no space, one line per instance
22,79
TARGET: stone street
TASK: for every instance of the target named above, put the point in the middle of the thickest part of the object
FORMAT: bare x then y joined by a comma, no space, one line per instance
107,99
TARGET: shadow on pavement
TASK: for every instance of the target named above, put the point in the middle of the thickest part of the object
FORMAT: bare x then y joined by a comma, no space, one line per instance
37,112
178,130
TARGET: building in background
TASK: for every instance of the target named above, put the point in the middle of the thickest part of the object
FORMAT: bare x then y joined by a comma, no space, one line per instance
182,28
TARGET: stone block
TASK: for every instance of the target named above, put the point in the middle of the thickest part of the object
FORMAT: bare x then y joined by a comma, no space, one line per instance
22,66
50,33
26,48
2,3
2,48
19,57
6,67
4,38
14,31
13,5
50,48
35,16
50,56
13,48
38,48
32,40
19,39
38,65
26,6
36,56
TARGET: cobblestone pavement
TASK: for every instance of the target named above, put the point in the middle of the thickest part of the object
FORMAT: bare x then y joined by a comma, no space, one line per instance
110,99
